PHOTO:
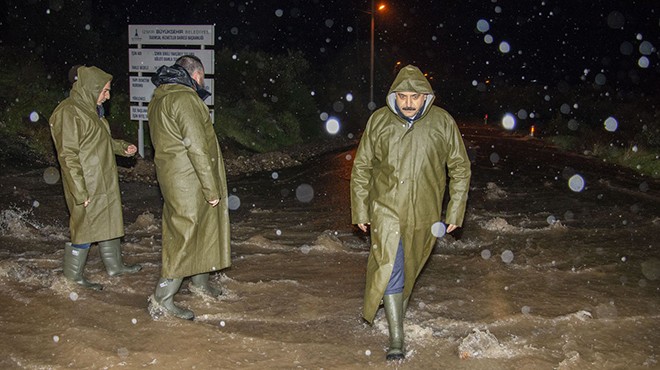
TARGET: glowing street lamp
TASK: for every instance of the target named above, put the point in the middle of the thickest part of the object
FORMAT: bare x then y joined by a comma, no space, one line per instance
381,8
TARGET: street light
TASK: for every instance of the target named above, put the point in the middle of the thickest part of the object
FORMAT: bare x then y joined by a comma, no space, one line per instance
381,7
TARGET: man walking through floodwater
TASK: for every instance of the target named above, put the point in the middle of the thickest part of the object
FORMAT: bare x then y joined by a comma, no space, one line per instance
397,187
191,176
86,153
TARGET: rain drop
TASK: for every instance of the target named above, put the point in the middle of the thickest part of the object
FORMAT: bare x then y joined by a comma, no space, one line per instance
525,310
122,352
332,126
576,183
509,121
646,48
611,124
483,26
507,256
56,338
616,20
349,97
51,175
438,229
73,296
279,12
233,202
35,204
494,158
186,142
485,254
305,193
274,175
34,116
505,47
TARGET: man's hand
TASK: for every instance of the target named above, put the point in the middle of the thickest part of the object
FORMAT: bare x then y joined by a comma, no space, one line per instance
214,202
363,227
131,150
451,227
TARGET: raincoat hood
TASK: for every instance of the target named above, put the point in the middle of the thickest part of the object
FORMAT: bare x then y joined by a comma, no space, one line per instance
176,74
410,79
89,85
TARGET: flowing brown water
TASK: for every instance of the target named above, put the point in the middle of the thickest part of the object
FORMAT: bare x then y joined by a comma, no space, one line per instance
540,277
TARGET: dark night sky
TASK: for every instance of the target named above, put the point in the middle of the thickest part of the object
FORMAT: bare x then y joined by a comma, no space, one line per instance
550,41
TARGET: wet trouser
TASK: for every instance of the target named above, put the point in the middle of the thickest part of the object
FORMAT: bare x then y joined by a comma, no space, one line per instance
396,279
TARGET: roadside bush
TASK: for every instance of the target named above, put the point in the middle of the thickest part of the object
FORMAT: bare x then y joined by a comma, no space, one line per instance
28,95
262,100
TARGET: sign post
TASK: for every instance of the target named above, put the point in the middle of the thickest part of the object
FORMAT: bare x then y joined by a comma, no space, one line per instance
144,61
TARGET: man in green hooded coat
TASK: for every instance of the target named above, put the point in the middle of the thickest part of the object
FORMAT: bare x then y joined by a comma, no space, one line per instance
191,175
398,183
86,153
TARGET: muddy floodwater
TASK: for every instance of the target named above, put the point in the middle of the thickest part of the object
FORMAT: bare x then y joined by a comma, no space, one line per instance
557,267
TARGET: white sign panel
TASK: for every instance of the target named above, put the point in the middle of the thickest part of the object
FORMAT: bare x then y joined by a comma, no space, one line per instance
142,89
149,60
150,34
138,113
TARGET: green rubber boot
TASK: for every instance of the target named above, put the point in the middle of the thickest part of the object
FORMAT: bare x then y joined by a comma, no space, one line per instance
164,297
111,256
394,311
74,265
200,285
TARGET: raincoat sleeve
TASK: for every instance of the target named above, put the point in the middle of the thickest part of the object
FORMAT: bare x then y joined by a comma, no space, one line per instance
66,133
119,147
361,178
458,167
190,116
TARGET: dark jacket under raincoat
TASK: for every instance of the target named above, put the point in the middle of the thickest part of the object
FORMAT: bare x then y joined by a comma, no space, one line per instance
398,183
86,153
191,172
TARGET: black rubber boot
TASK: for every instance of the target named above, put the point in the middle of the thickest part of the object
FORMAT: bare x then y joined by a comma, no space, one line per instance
111,256
200,285
394,312
164,297
74,265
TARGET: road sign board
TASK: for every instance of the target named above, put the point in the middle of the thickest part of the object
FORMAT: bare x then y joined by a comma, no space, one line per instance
149,60
153,34
142,89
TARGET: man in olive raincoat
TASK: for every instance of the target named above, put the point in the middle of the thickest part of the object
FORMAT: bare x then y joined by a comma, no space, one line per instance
86,153
191,175
397,187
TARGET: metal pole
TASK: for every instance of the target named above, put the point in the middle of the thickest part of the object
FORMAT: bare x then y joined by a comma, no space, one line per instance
371,63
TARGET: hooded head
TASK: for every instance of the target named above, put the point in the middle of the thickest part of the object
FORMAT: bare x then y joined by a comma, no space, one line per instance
410,95
90,84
